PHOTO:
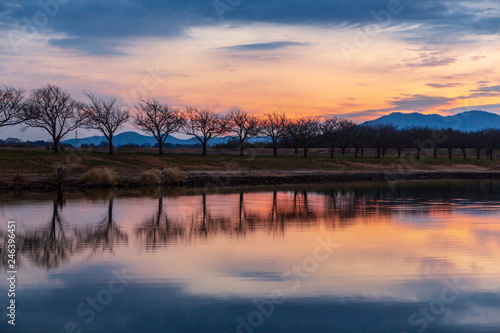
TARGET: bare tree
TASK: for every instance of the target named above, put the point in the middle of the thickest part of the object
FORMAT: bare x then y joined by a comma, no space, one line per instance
10,106
292,133
478,142
272,125
399,139
53,110
331,130
244,126
492,137
379,136
453,141
348,128
463,141
418,135
204,124
307,130
358,139
158,119
104,116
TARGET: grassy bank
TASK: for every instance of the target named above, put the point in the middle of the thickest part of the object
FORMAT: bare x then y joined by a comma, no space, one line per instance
39,166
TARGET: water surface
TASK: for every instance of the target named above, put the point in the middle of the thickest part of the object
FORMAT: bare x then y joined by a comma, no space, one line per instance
365,257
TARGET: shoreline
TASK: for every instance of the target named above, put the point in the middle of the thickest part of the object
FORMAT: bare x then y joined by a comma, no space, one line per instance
218,180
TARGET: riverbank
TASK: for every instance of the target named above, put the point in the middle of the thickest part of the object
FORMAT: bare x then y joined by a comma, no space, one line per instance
36,169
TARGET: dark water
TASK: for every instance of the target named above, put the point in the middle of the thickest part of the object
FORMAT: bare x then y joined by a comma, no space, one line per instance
367,257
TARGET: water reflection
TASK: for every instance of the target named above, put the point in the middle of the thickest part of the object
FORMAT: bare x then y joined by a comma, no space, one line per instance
201,259
159,229
54,242
103,238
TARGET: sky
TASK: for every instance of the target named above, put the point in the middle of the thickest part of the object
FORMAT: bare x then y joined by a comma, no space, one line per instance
359,59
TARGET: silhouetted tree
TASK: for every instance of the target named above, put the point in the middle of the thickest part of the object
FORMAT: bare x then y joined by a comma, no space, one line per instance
53,110
418,134
158,119
204,125
492,137
244,126
453,141
105,116
399,139
11,106
348,127
292,133
379,136
358,138
332,129
273,125
464,141
307,130
478,142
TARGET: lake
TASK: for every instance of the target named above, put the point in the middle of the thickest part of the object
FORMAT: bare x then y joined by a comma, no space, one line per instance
419,256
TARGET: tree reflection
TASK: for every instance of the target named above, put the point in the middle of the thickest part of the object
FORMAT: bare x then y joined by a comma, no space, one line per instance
159,230
105,237
52,244
244,214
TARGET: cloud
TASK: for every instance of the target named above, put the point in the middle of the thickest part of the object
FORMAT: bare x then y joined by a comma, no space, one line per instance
486,107
417,102
94,46
445,85
488,89
412,103
433,21
263,46
430,58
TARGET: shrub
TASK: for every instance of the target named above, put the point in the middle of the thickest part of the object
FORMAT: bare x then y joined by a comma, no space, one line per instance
172,176
99,176
150,177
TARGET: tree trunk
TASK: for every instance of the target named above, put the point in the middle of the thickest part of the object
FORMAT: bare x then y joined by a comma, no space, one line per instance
399,152
305,151
110,142
56,145
296,150
275,149
343,151
418,153
356,152
240,146
332,151
435,153
160,148
478,154
450,153
204,148
464,152
378,152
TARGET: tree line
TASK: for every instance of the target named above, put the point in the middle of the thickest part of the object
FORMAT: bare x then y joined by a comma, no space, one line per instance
55,111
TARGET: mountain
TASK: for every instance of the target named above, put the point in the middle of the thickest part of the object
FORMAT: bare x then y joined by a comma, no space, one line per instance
139,139
466,121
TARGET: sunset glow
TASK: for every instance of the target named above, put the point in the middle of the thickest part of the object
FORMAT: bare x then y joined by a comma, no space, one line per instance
325,63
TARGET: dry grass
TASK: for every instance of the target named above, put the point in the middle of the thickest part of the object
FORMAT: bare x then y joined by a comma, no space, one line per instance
172,176
150,177
99,176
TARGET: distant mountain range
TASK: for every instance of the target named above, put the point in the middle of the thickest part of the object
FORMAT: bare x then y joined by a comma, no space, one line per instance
139,139
466,121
